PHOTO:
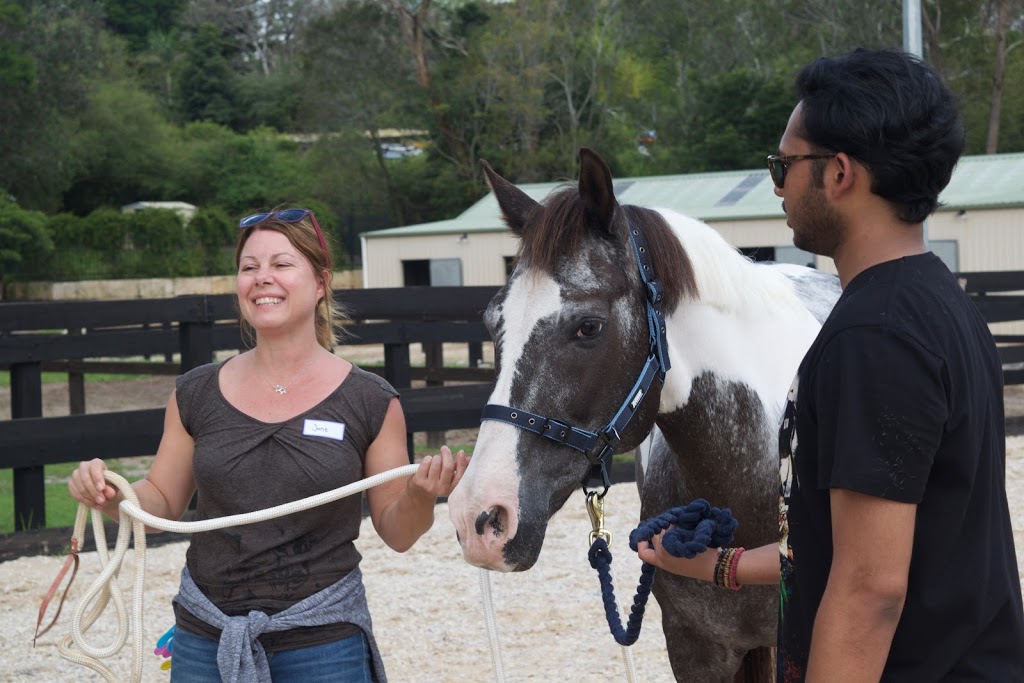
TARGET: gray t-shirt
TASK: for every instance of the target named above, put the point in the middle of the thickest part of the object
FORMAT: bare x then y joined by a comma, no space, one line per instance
241,464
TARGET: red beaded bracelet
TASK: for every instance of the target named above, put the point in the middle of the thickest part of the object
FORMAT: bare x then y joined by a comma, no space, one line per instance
733,566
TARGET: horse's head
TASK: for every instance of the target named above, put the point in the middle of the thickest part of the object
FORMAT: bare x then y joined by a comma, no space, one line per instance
570,334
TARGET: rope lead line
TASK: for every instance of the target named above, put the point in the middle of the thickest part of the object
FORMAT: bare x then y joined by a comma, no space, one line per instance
104,588
695,528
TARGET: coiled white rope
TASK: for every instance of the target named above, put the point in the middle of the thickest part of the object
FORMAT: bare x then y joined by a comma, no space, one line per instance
75,648
104,588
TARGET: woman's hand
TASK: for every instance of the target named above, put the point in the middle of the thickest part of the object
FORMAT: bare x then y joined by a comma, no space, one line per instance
702,566
87,485
439,474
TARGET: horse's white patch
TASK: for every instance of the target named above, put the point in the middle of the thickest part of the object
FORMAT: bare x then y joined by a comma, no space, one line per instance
530,298
748,326
493,477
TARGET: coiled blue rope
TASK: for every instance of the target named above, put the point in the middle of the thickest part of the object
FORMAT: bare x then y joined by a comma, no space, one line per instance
697,527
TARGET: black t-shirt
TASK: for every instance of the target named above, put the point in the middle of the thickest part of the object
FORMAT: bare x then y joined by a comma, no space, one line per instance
901,397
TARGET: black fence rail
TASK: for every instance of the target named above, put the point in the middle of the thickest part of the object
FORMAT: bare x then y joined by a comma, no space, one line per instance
70,336
64,336
999,296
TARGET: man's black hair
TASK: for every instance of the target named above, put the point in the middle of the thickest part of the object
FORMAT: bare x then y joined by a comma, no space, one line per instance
891,112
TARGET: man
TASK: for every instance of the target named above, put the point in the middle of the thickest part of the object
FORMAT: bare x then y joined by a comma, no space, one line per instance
902,564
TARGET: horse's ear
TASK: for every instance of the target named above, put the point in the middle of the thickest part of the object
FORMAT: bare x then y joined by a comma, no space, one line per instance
596,189
515,204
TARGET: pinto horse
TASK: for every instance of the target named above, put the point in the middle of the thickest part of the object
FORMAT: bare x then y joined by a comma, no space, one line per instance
571,335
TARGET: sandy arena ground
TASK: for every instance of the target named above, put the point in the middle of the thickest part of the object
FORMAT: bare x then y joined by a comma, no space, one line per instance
426,603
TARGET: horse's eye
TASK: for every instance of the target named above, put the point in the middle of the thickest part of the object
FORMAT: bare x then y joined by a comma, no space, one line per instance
590,328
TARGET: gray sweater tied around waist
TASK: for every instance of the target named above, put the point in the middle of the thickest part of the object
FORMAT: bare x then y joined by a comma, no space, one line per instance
240,655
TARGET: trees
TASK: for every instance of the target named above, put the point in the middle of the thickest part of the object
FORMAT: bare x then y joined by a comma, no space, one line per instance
245,104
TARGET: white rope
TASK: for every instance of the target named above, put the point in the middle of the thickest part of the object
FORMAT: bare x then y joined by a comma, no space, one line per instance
75,648
104,588
492,625
627,659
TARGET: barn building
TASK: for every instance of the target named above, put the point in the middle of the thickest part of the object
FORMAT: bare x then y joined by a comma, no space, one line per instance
977,228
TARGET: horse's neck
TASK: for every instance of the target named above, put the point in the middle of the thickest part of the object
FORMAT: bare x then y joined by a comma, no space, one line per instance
747,327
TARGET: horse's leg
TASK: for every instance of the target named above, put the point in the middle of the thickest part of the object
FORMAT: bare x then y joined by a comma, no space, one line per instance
758,666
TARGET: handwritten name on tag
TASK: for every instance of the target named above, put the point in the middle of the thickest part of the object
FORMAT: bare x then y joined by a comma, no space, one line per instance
328,430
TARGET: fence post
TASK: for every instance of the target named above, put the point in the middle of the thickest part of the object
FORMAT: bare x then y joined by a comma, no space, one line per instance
196,344
476,354
76,386
434,352
29,486
195,340
398,372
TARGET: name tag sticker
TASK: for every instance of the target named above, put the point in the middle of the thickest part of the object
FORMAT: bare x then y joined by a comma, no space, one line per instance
328,430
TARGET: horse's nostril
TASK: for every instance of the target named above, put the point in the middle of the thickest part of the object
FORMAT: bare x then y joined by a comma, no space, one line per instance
481,522
489,518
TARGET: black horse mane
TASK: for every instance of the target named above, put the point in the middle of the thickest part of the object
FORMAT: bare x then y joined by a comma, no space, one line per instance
559,225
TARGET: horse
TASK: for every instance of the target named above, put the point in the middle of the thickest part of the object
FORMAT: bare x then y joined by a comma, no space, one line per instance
572,330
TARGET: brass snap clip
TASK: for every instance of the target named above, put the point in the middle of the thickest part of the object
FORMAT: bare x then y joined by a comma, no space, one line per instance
595,508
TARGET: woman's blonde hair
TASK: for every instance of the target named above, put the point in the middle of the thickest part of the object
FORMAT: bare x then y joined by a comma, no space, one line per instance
330,316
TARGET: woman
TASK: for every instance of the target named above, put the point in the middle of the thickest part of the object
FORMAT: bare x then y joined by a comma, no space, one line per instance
282,421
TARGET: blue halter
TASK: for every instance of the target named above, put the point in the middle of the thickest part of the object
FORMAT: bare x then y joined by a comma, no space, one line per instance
599,447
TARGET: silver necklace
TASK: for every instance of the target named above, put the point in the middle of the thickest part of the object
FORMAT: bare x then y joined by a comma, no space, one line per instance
283,388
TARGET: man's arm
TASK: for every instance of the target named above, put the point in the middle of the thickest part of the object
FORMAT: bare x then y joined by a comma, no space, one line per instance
872,539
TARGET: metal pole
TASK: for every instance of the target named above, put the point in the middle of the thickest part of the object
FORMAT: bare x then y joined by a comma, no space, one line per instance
912,28
912,44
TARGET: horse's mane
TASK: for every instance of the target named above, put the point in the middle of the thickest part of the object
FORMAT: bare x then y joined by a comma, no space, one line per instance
725,278
559,228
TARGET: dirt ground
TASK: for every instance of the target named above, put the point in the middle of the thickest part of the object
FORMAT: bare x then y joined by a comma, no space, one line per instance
426,603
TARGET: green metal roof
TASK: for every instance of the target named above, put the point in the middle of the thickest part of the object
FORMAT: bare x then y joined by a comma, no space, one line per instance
984,181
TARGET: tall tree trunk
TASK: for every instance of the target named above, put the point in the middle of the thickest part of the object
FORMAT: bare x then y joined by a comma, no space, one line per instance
932,36
413,24
998,74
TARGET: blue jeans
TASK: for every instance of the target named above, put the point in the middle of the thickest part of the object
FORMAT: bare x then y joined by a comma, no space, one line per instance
347,660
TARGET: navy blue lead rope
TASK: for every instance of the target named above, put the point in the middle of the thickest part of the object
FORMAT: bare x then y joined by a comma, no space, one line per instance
697,527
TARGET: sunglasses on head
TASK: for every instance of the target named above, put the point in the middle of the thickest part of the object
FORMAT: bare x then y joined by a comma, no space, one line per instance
777,165
287,216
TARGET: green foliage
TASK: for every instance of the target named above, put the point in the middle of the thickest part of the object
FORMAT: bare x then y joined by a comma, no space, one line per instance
239,173
207,86
216,232
161,245
738,118
136,19
61,41
127,148
17,70
109,102
25,242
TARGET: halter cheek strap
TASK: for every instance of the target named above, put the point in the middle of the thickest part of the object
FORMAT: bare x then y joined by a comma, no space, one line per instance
599,446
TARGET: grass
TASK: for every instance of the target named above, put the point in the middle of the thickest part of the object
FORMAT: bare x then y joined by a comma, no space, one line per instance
61,508
62,377
421,450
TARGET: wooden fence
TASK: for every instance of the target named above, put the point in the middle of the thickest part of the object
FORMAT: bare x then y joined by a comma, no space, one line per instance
63,336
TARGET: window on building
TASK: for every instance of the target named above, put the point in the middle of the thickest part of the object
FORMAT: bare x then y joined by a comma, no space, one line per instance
510,265
948,251
438,272
784,254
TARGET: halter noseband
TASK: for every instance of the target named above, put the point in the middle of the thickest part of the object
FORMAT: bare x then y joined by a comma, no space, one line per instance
599,446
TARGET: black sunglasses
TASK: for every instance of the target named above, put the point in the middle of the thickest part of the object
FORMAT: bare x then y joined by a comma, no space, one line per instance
287,216
777,165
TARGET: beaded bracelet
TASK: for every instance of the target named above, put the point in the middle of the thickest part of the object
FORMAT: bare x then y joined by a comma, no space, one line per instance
733,566
725,568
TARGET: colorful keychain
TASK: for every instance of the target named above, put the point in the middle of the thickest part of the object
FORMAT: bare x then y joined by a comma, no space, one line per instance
165,647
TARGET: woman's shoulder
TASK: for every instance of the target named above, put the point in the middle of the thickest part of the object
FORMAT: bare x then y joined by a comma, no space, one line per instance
370,381
198,374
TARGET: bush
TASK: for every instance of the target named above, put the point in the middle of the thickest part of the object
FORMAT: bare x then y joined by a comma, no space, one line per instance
25,243
216,232
165,246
